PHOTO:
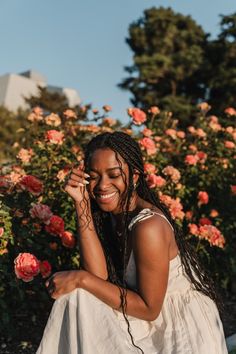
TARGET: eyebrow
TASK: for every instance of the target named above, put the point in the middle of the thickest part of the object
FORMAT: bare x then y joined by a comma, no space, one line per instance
109,169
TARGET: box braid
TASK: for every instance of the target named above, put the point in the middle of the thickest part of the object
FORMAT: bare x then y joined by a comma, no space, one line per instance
126,147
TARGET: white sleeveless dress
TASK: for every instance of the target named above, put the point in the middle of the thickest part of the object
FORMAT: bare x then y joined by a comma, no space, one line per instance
188,323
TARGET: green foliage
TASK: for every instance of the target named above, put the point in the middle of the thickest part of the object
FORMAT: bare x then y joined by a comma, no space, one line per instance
13,130
48,101
176,65
50,161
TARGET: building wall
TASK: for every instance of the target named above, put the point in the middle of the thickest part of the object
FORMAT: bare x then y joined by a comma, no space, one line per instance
13,89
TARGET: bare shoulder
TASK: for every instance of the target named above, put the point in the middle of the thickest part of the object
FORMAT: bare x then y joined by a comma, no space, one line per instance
152,235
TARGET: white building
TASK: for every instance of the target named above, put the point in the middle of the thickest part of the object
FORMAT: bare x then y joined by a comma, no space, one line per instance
14,87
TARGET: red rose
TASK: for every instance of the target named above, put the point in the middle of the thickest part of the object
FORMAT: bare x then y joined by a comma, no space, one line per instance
205,221
45,269
31,184
68,239
55,226
26,266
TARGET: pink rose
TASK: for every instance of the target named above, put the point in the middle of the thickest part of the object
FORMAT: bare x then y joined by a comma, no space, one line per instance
45,268
53,120
172,172
155,181
191,159
204,106
31,184
68,239
203,197
212,235
25,155
229,144
26,266
189,215
191,130
193,229
54,137
55,226
149,168
174,205
42,212
200,133
70,114
149,145
230,111
171,133
147,132
1,231
180,134
137,115
154,110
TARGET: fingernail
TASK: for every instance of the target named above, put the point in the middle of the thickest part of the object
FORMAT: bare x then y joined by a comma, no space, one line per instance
86,175
85,182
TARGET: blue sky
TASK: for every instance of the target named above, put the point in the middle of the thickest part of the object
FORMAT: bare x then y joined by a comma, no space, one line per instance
81,43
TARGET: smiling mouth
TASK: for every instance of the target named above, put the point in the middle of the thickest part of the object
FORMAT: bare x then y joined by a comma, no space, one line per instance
105,197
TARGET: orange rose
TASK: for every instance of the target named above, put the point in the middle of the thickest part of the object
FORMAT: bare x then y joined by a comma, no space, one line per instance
203,197
138,116
68,239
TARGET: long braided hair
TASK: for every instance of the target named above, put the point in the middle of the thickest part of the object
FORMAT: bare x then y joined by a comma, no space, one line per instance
116,250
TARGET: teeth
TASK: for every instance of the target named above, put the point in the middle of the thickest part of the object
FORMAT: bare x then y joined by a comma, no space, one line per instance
105,196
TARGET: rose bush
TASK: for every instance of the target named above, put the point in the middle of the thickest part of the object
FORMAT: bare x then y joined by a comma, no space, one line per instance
191,170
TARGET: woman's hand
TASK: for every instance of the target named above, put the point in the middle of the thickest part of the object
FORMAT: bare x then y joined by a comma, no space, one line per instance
76,184
64,282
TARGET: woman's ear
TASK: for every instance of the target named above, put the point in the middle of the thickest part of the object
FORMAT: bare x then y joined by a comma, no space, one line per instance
136,177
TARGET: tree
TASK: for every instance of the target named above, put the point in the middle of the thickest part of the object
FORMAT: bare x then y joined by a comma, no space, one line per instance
220,66
48,101
168,54
13,129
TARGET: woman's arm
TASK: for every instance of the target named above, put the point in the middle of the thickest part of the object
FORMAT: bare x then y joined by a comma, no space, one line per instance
151,249
91,251
92,255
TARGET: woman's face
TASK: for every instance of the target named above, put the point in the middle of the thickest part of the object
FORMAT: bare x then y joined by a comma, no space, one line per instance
107,179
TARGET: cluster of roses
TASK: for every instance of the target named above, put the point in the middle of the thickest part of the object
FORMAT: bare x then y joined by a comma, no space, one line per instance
171,141
208,232
27,265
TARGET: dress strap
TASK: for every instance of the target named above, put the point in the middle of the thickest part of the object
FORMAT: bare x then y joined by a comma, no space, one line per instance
145,214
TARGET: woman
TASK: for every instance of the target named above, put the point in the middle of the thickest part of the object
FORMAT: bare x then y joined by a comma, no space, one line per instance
140,289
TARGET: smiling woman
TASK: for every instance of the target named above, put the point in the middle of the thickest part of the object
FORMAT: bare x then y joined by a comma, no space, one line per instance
141,287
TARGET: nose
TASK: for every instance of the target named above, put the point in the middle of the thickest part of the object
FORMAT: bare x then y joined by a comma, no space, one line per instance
103,184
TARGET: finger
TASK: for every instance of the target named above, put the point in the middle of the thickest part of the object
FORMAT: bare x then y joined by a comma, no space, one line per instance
75,184
76,172
77,178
